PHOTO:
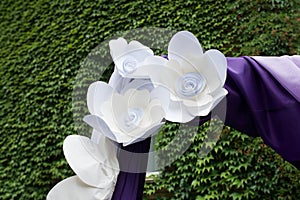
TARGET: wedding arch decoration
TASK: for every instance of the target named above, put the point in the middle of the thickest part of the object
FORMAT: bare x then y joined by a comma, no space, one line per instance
143,92
146,90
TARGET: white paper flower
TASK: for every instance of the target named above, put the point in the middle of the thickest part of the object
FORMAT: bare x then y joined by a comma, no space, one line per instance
126,56
124,118
193,79
96,168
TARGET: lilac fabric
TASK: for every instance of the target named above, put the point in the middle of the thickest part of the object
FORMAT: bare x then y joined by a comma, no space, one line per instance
286,70
263,100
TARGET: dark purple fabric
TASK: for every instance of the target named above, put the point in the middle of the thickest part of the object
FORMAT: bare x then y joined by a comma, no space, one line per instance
258,104
130,185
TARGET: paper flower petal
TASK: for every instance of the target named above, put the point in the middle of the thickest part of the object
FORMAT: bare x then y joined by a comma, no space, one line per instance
127,56
205,66
117,82
154,114
147,134
138,84
139,50
96,165
100,125
151,63
177,112
73,188
218,96
201,110
183,45
162,94
117,47
98,92
220,63
137,98
166,76
97,137
205,109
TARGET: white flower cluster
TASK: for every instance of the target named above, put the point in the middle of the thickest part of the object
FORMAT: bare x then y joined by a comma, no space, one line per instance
145,89
143,92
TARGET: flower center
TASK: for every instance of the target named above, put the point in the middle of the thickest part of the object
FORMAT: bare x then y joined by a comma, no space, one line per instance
129,65
133,117
190,85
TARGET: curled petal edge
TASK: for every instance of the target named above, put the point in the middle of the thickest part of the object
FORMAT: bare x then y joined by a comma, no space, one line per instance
73,188
100,125
92,163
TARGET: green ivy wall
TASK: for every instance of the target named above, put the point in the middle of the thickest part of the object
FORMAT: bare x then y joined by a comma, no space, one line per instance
43,42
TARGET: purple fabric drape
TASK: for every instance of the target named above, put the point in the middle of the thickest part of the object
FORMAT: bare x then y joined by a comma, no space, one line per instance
262,101
130,185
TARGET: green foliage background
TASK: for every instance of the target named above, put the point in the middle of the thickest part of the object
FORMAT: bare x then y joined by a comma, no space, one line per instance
43,43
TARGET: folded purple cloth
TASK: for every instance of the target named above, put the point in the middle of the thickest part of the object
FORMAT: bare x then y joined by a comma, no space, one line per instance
263,100
130,185
286,70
